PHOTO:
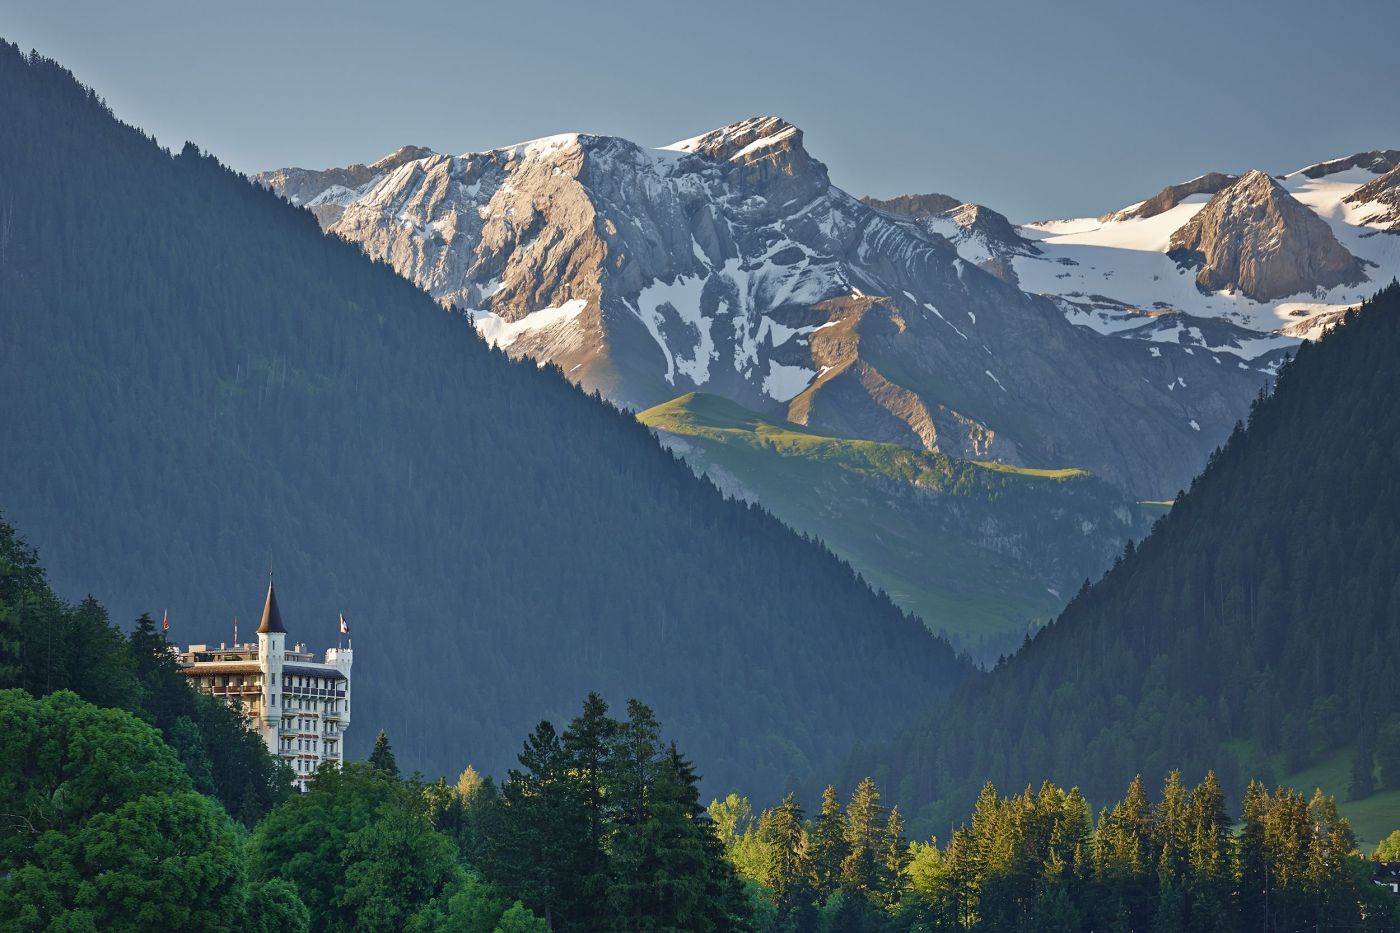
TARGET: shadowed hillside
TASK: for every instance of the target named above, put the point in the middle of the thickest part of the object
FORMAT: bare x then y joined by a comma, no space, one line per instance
197,382
1253,632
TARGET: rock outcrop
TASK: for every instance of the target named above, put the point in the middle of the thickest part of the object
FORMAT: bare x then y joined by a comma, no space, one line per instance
1380,200
1377,161
915,205
319,189
1255,238
729,264
1172,195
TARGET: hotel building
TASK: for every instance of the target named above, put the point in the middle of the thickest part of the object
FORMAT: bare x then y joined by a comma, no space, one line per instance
299,705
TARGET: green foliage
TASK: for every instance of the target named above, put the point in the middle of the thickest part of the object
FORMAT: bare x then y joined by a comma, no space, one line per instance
274,907
59,647
1389,849
102,829
519,920
304,839
382,755
467,905
1255,624
602,828
1038,861
394,865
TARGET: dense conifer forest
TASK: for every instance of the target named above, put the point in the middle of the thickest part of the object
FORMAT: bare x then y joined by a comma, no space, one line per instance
1252,632
197,382
114,816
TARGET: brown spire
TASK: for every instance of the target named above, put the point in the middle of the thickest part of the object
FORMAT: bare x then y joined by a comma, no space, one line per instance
272,616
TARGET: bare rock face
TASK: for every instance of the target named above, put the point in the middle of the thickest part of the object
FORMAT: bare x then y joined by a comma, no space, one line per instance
915,205
301,185
1172,195
1381,200
1377,161
1255,238
729,264
988,237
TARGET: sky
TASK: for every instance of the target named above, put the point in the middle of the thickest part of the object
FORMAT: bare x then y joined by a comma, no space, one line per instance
1038,109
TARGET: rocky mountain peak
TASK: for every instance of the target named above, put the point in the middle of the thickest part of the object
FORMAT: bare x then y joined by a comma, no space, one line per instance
744,140
399,156
1253,237
915,205
756,152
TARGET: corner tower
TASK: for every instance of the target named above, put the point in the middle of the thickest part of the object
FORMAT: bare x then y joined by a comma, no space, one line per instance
272,654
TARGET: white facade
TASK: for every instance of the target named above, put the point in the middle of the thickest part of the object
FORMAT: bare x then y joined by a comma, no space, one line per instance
299,705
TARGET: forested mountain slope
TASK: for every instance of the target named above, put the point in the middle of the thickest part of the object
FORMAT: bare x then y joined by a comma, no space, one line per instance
196,382
1254,629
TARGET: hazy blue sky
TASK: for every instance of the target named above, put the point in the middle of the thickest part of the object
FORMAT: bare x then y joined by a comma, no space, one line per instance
1037,109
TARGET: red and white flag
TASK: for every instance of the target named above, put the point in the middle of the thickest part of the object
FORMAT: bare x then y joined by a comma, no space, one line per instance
344,626
165,622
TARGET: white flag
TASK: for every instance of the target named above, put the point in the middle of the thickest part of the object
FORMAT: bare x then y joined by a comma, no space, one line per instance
344,626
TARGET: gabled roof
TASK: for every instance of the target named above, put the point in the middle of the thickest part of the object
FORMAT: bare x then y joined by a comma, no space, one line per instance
272,616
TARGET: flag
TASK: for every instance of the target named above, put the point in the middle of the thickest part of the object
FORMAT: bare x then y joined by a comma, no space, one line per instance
344,626
165,622
235,631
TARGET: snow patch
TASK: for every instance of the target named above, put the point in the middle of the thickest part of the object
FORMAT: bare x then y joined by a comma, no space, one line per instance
784,383
501,333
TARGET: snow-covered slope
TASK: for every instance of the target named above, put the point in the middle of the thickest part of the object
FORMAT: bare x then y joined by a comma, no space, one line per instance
1115,274
728,263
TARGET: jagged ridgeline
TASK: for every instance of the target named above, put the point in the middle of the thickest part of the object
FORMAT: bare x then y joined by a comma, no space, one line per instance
197,381
1253,632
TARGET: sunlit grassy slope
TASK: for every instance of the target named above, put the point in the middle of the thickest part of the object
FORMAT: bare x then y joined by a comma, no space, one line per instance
907,520
1373,818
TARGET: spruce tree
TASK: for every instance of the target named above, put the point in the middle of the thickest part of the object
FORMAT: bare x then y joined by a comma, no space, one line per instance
894,857
827,846
788,870
542,848
382,755
591,744
862,870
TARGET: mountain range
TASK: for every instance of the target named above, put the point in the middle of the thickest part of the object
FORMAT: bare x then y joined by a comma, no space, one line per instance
198,383
1127,346
1251,634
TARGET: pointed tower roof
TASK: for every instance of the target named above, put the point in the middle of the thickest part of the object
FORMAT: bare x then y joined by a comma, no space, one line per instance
272,616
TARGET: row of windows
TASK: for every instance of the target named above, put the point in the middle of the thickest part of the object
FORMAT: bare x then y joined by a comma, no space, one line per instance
298,680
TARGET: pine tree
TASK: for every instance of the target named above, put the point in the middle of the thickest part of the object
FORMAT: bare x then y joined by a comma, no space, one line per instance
788,871
591,744
542,851
1253,874
382,755
1209,880
862,870
894,858
827,846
